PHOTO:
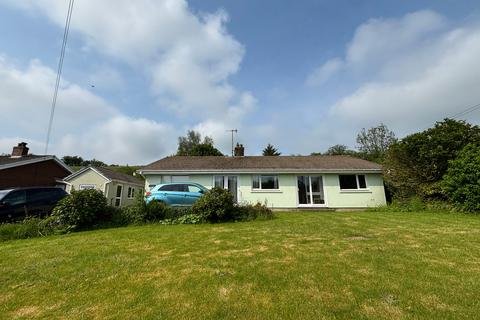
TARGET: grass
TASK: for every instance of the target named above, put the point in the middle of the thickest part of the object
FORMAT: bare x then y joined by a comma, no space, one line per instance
355,265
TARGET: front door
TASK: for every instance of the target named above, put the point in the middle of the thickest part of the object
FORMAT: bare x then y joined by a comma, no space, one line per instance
227,182
310,191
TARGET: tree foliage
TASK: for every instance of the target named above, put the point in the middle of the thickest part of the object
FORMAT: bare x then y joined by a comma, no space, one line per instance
461,183
76,161
417,163
192,145
270,150
374,142
337,150
73,161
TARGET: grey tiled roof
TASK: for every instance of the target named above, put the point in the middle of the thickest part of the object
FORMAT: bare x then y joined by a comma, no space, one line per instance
280,163
114,175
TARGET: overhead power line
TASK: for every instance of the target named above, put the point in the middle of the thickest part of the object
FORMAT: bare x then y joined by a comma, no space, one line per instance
59,71
466,111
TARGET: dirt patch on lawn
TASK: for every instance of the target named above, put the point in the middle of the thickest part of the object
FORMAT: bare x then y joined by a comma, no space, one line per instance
29,311
357,238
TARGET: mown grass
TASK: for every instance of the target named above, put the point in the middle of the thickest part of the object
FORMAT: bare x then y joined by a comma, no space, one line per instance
356,265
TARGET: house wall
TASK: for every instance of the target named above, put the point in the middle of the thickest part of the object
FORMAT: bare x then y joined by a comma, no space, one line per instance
286,196
43,173
112,190
89,177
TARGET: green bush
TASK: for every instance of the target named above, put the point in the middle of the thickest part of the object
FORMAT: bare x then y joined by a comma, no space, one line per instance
215,205
81,209
247,212
461,183
28,228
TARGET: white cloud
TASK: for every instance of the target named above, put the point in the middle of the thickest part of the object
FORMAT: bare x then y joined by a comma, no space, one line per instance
324,72
85,124
413,71
25,101
188,57
123,140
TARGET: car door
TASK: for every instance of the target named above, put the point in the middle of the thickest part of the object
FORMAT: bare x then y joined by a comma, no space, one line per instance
193,194
38,201
173,194
14,205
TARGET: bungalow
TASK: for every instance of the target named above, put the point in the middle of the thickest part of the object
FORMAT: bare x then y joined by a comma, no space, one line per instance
21,169
280,181
119,188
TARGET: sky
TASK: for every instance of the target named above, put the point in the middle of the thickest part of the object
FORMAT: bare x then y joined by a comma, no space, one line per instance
301,75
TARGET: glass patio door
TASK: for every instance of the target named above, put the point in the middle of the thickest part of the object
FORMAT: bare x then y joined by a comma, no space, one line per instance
227,182
310,191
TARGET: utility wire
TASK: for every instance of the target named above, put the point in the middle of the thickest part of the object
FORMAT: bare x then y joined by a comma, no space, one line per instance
466,111
59,71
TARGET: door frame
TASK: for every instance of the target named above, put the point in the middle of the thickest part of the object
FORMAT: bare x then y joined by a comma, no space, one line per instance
225,182
312,205
121,195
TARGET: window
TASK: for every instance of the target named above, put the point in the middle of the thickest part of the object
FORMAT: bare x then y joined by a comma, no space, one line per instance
174,187
219,182
352,181
130,192
192,188
265,182
86,186
118,196
15,198
35,195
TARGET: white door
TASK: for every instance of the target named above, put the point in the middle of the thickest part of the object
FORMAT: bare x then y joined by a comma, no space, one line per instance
310,191
118,195
227,182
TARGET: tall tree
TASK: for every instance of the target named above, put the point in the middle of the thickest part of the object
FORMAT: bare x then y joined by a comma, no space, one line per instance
374,142
192,145
74,161
340,150
417,163
270,150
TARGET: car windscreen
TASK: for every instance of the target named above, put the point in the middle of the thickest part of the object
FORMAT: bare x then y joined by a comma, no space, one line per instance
3,193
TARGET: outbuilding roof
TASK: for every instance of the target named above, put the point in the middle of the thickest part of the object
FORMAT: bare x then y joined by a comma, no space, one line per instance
261,163
108,174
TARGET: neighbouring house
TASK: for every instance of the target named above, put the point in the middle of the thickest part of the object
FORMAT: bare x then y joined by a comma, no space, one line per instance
280,181
119,188
21,169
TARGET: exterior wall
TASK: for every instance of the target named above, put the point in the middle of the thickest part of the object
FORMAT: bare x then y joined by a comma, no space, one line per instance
88,177
43,173
374,196
286,196
112,190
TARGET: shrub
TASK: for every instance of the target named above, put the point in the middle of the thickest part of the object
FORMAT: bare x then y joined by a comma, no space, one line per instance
215,205
28,228
247,212
461,183
81,209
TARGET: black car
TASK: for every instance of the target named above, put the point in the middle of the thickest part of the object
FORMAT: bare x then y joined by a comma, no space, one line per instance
16,204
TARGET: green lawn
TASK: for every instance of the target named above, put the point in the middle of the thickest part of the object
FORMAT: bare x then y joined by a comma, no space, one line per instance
315,265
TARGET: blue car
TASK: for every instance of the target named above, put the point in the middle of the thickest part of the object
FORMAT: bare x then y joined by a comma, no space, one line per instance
176,194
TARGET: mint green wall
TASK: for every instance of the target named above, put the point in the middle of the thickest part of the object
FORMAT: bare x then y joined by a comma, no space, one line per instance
286,195
374,196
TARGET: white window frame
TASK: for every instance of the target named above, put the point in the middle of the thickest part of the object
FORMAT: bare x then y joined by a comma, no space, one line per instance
312,205
86,186
225,183
130,192
357,181
260,182
118,198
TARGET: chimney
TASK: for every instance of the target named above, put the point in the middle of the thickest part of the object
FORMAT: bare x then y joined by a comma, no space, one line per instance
20,151
239,150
